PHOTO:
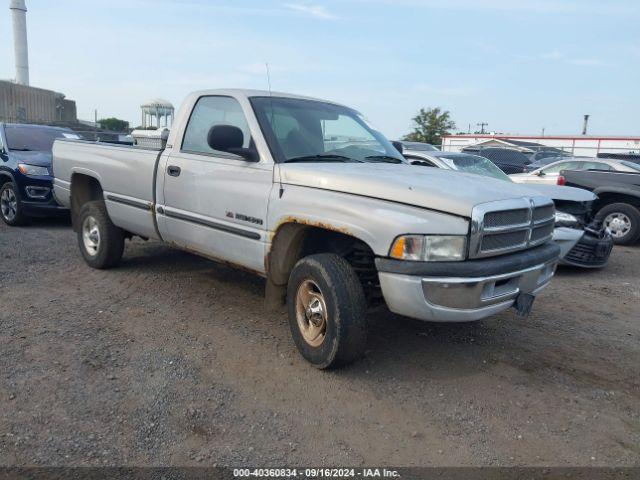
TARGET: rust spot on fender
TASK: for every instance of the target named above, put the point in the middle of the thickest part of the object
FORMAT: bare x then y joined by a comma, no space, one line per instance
281,254
311,223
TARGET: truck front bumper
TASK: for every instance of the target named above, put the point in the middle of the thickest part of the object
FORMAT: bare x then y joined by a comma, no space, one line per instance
464,291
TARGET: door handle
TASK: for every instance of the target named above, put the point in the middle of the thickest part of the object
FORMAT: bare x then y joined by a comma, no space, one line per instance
173,170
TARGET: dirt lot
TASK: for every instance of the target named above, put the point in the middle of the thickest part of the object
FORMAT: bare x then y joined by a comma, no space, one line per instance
171,360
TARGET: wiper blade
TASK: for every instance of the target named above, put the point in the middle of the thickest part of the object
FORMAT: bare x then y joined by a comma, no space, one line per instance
383,158
322,158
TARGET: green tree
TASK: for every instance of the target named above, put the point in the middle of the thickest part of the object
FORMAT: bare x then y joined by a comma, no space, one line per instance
114,124
430,125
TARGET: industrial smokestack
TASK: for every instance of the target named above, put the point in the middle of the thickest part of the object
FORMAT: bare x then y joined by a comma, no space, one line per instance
20,48
585,124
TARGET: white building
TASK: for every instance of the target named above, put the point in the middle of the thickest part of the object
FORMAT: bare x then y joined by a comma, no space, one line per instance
582,145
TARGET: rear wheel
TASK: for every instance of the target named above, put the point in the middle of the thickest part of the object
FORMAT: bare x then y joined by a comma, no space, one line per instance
10,208
326,306
623,221
101,242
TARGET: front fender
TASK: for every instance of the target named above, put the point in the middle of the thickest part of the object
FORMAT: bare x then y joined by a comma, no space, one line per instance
375,222
5,172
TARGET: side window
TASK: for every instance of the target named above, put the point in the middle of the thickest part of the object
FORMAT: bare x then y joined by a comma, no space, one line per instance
595,166
561,166
208,112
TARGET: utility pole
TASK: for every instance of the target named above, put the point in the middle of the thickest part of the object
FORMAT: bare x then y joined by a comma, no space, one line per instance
585,124
482,125
543,129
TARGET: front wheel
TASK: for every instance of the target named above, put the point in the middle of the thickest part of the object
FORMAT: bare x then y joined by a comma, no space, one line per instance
623,221
10,208
101,242
327,308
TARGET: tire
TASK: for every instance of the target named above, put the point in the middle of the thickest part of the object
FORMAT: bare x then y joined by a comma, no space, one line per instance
101,242
623,220
10,206
327,284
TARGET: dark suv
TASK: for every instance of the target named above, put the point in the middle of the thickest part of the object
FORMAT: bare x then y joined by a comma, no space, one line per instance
25,171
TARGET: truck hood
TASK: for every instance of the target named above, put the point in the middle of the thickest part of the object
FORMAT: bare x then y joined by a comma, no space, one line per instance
39,159
444,190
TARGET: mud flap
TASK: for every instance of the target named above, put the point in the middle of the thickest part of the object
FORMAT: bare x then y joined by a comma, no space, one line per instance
523,304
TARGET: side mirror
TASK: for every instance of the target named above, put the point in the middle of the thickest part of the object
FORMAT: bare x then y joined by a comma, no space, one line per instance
540,173
227,138
398,146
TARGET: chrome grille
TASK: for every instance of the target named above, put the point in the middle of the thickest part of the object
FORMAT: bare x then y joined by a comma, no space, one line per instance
510,225
542,213
541,233
499,241
508,217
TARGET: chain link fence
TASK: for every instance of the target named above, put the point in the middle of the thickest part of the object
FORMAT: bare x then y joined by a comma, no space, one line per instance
520,160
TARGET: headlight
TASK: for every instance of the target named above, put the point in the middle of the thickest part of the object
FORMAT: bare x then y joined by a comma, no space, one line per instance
429,248
566,220
32,170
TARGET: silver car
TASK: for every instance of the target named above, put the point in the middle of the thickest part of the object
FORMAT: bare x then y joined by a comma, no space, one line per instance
548,175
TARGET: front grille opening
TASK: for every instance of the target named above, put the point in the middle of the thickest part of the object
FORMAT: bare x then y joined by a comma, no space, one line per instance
588,254
500,288
506,218
540,233
543,213
37,192
499,241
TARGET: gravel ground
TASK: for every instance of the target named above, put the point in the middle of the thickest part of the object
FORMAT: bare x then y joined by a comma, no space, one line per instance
171,360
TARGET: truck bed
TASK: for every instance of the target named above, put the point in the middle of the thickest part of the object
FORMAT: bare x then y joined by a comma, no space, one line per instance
126,174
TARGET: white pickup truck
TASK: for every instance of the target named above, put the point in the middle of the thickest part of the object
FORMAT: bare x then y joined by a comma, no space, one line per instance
307,194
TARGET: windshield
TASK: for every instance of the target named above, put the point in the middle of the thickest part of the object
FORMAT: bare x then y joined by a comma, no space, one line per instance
419,147
631,165
34,139
474,164
307,130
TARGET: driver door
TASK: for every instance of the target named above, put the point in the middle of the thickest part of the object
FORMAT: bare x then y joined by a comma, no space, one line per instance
215,203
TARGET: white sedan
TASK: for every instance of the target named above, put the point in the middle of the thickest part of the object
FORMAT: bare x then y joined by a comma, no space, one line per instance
548,175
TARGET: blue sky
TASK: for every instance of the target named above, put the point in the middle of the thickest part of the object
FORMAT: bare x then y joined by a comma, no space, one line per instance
519,65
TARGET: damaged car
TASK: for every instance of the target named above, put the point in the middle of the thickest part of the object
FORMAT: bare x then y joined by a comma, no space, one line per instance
583,240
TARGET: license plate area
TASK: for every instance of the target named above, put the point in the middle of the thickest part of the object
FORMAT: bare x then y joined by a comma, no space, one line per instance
523,304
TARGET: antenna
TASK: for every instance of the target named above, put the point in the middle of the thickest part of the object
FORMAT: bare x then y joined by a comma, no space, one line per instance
268,77
266,64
